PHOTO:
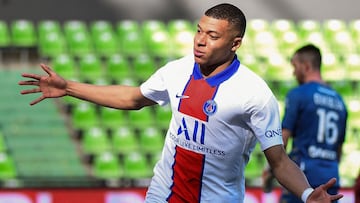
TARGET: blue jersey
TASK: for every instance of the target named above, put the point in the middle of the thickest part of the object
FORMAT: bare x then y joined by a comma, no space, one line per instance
316,115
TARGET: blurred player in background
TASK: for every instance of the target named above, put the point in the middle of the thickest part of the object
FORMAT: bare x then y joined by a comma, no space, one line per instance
220,109
315,118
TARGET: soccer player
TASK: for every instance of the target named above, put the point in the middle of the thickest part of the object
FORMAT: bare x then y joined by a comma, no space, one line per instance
315,117
220,109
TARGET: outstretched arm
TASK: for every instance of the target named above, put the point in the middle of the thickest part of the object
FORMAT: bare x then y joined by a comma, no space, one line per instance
292,178
114,96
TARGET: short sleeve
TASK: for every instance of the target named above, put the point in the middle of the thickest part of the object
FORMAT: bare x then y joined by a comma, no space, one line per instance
266,124
154,88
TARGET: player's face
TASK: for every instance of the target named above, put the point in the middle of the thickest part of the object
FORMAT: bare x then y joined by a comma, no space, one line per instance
299,69
215,43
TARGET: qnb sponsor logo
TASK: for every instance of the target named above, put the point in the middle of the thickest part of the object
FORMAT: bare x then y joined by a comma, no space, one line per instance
317,152
273,133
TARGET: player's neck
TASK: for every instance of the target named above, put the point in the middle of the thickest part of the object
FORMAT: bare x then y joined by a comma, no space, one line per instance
316,77
211,70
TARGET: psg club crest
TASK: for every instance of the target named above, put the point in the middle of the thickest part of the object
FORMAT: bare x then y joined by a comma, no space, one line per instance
209,107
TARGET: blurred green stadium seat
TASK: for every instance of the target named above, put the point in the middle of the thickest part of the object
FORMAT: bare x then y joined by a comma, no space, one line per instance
117,68
353,104
3,146
5,39
352,65
151,140
51,40
64,65
342,43
72,27
265,42
46,26
354,29
154,158
331,68
7,167
90,68
124,140
279,26
311,32
80,44
141,118
136,166
181,34
84,116
288,42
143,66
158,44
111,118
286,33
261,36
52,44
106,44
130,38
178,25
282,87
98,27
148,27
332,26
254,63
156,37
281,104
318,39
78,38
95,141
104,38
163,116
338,36
278,67
125,26
257,25
23,33
247,46
308,26
106,165
344,87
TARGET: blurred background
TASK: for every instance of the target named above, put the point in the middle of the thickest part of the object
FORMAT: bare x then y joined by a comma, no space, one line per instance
66,143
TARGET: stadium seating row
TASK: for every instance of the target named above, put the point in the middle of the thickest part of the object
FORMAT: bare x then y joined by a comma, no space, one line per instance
174,38
37,142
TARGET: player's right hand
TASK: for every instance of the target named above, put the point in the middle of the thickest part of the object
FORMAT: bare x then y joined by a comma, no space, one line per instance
51,85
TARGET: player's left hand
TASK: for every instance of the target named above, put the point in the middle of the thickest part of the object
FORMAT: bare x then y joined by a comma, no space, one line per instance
320,195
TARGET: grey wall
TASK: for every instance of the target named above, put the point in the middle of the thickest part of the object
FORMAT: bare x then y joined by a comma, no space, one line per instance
114,10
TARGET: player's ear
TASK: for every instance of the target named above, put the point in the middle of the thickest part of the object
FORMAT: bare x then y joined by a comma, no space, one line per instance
307,66
236,43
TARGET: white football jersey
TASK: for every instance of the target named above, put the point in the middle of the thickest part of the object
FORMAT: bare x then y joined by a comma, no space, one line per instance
215,125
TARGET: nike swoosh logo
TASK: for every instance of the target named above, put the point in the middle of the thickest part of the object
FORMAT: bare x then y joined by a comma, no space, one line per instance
181,96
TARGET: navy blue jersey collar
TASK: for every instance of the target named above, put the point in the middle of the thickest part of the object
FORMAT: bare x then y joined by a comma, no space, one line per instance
220,77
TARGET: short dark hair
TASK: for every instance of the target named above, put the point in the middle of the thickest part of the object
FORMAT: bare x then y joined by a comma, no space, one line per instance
230,13
310,53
